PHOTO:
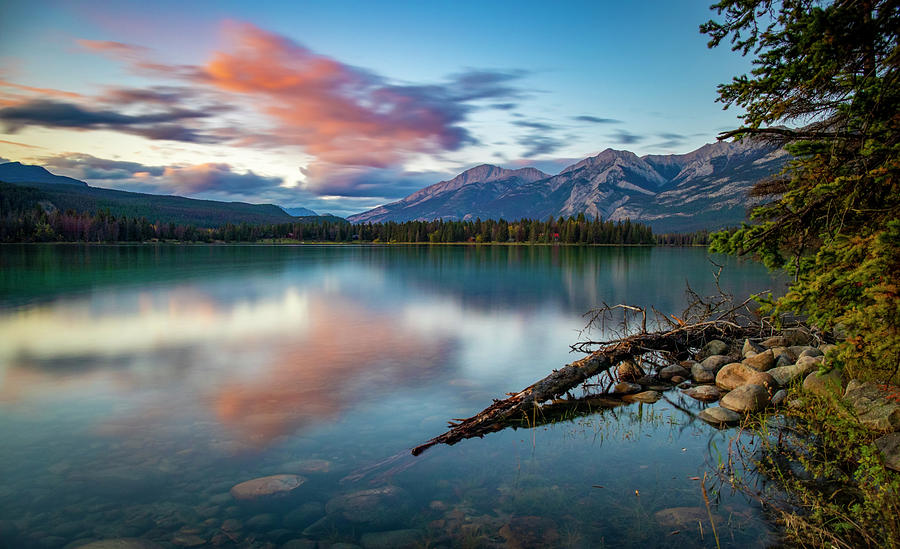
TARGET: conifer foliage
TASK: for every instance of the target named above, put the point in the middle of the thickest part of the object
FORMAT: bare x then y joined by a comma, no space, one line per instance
826,82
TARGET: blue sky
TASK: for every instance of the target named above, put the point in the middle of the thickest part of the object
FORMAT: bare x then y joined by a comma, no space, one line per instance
342,106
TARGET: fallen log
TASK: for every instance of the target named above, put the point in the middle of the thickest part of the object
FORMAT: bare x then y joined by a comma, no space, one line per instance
523,404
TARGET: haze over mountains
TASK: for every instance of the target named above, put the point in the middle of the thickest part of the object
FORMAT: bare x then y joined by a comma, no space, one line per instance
703,189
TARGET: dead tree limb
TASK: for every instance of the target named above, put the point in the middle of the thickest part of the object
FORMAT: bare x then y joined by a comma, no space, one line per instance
521,405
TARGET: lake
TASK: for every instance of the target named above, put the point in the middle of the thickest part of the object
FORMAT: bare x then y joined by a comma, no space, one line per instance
139,384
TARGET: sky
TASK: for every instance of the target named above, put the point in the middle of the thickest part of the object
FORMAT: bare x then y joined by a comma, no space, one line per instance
343,106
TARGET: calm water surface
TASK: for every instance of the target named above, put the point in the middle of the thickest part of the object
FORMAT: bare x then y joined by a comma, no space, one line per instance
138,384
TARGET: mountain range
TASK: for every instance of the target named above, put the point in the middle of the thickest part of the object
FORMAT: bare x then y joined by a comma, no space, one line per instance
703,189
66,193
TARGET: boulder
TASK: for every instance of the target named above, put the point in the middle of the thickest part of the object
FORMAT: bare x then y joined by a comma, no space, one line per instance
798,336
736,374
779,397
626,388
810,351
876,407
784,351
302,516
714,347
775,341
715,362
783,360
889,446
678,380
811,361
266,487
701,374
704,393
751,347
627,370
825,385
827,348
648,397
746,399
718,416
673,370
786,375
761,361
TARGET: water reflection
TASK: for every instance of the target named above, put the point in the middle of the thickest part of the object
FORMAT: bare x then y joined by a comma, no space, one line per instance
138,384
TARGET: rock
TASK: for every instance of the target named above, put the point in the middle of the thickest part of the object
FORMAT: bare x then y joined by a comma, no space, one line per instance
674,370
779,397
526,532
701,374
811,352
232,525
786,375
775,341
751,347
798,336
704,393
280,535
827,348
629,371
122,543
682,517
266,487
625,388
876,407
784,351
829,384
261,522
647,380
685,385
889,446
648,397
736,374
392,539
188,540
715,362
382,505
746,399
811,361
761,361
307,466
300,544
783,360
714,347
678,379
324,527
303,516
718,416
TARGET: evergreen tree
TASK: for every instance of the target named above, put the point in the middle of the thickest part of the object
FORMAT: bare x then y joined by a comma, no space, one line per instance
831,219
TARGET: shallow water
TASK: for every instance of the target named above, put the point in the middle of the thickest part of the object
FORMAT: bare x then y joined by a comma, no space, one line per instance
138,384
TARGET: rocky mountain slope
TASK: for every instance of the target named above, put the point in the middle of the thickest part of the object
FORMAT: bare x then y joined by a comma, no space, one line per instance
703,189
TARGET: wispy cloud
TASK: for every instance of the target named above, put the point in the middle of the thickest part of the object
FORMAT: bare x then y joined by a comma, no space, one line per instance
595,120
626,138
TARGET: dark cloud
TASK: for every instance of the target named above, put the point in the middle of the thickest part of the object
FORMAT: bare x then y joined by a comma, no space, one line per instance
531,124
85,166
504,106
536,145
626,138
477,84
58,114
595,120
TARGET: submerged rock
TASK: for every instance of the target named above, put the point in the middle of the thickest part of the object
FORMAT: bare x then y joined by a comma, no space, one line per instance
746,399
525,532
122,543
680,517
392,539
625,388
718,416
377,506
266,487
736,374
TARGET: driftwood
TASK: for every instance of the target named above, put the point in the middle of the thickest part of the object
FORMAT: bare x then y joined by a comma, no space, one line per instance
525,404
